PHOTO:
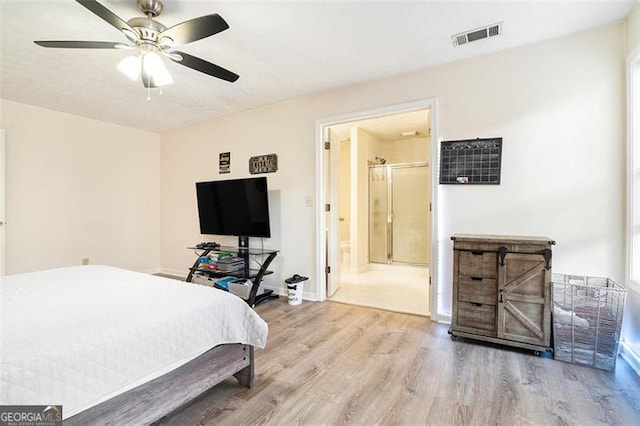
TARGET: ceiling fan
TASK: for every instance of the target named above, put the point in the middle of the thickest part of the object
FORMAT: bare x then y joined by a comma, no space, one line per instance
150,40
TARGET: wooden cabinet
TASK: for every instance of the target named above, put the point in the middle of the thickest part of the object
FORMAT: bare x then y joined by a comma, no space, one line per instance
502,289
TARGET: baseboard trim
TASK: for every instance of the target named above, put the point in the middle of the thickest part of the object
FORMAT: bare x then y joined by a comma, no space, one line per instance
173,272
276,290
631,356
282,292
445,319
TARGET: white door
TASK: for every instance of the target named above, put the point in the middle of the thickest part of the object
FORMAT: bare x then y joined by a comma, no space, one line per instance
2,192
332,173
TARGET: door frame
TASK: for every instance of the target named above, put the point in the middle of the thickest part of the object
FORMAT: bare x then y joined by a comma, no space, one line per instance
3,163
321,242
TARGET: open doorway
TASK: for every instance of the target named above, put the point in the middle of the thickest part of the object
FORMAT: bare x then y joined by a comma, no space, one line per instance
379,221
2,201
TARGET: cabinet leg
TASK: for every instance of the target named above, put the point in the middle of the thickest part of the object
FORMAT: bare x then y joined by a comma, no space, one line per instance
453,336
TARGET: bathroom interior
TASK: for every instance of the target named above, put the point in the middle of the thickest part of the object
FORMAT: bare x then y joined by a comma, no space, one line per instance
383,187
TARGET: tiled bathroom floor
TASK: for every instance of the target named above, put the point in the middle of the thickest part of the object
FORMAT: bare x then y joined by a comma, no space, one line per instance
392,287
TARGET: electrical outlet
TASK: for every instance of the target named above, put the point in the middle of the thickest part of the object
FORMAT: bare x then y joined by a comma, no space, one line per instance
308,201
85,260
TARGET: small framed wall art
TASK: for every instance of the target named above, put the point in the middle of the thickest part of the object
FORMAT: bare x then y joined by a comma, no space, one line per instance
266,163
225,162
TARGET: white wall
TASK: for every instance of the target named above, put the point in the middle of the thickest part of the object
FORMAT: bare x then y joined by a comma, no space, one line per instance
559,105
633,28
77,187
631,325
406,150
191,155
363,145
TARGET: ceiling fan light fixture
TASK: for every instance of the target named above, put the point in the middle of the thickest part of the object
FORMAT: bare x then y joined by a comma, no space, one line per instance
130,66
154,67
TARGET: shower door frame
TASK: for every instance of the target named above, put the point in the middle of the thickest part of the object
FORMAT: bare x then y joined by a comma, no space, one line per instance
389,222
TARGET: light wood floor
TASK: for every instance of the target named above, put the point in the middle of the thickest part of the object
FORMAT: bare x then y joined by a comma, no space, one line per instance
330,363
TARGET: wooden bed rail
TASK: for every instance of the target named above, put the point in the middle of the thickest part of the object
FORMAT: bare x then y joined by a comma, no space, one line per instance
153,400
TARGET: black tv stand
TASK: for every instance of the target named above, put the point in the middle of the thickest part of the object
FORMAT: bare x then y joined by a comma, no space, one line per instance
243,242
255,275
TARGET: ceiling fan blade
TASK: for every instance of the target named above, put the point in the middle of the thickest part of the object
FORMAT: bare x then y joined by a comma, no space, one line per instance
82,44
203,66
195,29
106,15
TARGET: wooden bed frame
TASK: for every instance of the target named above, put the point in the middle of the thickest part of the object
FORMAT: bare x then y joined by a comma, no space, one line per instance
159,397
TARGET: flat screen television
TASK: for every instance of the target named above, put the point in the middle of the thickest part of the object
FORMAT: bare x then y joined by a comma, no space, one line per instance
238,207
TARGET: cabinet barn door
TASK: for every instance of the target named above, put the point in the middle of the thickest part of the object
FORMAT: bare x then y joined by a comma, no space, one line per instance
523,299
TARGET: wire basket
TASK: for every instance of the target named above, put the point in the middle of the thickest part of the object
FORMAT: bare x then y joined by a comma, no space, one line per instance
587,317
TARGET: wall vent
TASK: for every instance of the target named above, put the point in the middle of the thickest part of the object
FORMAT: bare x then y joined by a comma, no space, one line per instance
477,34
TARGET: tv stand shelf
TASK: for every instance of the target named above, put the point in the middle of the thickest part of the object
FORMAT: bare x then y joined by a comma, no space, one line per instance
255,275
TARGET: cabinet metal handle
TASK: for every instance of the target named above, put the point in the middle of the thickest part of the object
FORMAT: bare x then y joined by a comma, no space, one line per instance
547,258
477,252
502,252
476,278
476,304
501,299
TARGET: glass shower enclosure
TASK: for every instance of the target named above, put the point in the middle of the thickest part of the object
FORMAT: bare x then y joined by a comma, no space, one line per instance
399,214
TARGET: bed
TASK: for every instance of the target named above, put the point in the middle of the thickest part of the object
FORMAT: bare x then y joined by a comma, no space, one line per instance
114,346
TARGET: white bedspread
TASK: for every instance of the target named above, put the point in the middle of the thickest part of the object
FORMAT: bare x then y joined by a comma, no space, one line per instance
80,335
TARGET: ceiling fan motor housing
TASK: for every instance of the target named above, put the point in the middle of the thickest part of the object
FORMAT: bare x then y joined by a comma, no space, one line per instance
147,28
150,7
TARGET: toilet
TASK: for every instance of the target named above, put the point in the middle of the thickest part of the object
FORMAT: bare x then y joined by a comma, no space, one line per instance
345,252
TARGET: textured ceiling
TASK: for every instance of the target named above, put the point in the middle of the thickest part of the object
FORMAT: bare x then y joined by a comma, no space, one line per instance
281,50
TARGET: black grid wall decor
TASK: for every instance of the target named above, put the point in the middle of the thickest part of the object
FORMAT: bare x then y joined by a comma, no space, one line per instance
471,161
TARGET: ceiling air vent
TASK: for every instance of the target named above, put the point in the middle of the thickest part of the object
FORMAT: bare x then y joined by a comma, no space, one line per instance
477,34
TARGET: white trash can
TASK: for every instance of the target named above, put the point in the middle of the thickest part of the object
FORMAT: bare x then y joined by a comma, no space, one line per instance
295,288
